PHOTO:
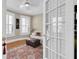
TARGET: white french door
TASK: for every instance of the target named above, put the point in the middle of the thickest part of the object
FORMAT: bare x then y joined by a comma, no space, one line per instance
58,28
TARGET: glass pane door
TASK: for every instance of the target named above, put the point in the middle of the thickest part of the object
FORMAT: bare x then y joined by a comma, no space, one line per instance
54,27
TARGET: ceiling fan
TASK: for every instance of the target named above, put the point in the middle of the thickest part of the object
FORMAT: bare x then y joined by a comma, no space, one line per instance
25,4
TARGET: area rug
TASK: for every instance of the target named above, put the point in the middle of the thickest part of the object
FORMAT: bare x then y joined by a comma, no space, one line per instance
24,52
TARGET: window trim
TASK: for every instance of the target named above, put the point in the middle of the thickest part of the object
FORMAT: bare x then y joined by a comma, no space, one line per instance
28,18
13,24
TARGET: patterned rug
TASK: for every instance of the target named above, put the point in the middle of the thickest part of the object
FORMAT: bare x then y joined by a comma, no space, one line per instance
25,52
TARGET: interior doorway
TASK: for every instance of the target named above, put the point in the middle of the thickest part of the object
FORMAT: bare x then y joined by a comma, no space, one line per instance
58,29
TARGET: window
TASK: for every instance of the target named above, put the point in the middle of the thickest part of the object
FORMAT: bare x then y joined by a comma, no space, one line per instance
25,25
9,23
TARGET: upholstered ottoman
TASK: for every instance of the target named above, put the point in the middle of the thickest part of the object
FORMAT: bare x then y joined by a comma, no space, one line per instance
33,42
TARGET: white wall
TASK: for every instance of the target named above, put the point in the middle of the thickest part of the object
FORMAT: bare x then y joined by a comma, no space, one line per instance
3,21
37,22
69,29
3,17
75,2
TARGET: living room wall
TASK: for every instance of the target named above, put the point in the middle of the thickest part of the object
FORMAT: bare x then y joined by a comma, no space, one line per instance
37,22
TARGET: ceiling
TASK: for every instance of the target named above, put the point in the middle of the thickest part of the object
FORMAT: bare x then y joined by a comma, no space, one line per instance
34,9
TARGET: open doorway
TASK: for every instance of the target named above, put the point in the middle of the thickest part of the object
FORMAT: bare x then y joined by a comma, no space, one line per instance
22,29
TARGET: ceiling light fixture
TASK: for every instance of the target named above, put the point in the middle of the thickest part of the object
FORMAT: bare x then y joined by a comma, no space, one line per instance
27,4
